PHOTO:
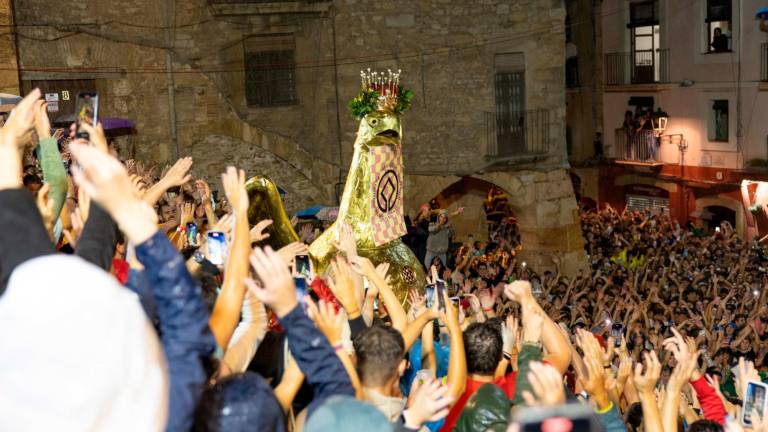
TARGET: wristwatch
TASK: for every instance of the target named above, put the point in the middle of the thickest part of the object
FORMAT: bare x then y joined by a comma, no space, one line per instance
198,257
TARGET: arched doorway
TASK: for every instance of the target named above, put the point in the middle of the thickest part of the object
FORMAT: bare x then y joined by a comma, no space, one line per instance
487,215
714,215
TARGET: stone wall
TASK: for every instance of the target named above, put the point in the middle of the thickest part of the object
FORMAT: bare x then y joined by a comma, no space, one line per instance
9,72
446,49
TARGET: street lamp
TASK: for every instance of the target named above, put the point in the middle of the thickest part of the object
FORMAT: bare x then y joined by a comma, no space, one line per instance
659,120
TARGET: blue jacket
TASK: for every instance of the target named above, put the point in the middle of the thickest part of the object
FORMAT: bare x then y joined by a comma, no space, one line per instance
187,340
316,358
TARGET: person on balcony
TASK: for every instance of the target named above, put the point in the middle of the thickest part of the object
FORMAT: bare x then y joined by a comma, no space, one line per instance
629,127
719,41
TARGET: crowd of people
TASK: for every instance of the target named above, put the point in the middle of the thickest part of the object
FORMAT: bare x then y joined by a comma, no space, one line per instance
116,313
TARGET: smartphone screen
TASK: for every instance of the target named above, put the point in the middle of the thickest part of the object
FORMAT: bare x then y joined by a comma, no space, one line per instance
217,247
191,234
302,266
87,111
429,293
753,400
439,292
616,331
301,288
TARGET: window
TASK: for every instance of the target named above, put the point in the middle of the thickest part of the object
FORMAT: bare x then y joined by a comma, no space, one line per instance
510,103
645,39
718,25
656,205
718,121
270,71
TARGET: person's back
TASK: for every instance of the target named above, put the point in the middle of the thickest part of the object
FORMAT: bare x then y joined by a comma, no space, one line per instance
78,352
483,347
380,354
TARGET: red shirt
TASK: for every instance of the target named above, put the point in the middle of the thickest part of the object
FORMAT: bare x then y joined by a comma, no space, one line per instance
506,383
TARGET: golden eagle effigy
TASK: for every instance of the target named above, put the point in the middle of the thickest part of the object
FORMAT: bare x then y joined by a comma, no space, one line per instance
372,201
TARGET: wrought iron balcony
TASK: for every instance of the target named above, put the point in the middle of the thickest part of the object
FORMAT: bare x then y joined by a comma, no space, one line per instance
521,133
639,67
636,146
764,62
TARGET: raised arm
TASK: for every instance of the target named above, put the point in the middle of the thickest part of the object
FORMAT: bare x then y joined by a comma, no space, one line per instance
645,383
226,311
457,361
176,176
396,312
186,338
323,370
556,345
22,235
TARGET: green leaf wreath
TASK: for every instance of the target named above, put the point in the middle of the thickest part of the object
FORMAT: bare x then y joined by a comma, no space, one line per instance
367,101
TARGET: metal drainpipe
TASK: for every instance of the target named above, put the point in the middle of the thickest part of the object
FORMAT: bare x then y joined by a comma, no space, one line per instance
169,21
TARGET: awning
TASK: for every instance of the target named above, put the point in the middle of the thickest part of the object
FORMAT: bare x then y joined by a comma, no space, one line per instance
108,123
309,212
761,12
8,101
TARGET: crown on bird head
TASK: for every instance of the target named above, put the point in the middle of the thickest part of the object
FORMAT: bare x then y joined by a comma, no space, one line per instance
386,85
380,91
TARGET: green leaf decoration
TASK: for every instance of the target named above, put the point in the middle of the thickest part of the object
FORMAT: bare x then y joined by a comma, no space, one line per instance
364,103
404,98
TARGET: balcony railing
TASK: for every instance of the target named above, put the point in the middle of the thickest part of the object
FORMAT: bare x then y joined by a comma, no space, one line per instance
517,133
636,146
764,62
646,67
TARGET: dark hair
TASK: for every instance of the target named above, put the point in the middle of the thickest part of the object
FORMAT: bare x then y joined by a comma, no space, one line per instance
209,285
29,179
483,347
240,402
705,426
379,350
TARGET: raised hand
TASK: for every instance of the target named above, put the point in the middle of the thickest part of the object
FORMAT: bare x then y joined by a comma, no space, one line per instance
646,382
42,122
547,385
326,319
509,330
346,242
276,288
429,401
519,291
257,233
362,265
343,286
233,181
178,175
12,137
289,251
23,118
203,190
96,136
106,181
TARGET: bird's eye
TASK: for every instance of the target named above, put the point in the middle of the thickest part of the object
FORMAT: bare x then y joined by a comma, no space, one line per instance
374,122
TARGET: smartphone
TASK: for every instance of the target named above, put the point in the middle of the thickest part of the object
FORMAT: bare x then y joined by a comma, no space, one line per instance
376,304
717,229
191,234
563,418
440,293
301,288
754,399
87,111
616,330
217,247
429,294
302,266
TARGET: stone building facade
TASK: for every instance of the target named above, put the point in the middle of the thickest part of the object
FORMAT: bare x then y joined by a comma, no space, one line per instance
264,85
